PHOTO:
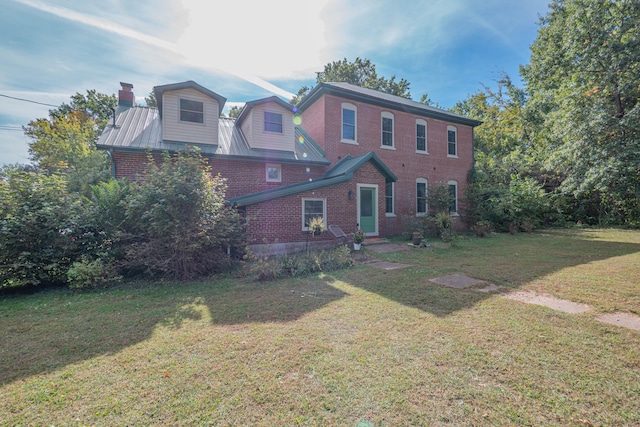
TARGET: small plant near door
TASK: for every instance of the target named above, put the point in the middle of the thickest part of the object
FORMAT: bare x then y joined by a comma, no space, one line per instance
358,239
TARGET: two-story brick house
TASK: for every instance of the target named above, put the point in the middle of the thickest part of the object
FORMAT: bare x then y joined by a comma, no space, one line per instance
350,155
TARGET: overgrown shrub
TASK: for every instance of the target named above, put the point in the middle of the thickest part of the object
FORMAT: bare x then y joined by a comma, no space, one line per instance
299,264
520,205
87,273
40,228
177,223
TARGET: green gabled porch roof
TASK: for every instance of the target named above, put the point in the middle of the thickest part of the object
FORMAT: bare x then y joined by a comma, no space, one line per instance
349,165
341,172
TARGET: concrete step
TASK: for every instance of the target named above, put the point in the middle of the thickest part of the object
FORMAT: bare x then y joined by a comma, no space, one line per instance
375,241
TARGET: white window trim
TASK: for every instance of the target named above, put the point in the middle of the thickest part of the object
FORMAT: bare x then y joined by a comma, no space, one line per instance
264,122
388,115
426,196
455,129
454,182
393,201
273,166
426,138
354,141
375,206
324,210
187,98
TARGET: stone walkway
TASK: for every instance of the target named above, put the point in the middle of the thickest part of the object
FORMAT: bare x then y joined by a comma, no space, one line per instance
460,281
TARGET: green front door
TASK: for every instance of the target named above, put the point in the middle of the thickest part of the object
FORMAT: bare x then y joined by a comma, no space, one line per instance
368,209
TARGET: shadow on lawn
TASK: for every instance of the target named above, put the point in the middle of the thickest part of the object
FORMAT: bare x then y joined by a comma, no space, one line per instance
509,261
50,330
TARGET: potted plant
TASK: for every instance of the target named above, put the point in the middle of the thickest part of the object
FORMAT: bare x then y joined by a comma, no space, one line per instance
316,225
358,238
416,238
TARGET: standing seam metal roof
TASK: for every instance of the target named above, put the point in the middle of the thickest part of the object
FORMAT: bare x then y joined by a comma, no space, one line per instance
140,128
385,100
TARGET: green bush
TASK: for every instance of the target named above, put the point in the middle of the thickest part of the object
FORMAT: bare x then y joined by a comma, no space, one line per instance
41,228
177,222
299,264
86,273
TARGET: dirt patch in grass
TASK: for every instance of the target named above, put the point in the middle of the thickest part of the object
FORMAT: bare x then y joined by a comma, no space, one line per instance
548,301
625,320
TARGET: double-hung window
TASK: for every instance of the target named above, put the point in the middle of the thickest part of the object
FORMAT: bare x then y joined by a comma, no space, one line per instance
272,122
349,123
389,199
313,208
191,111
387,130
421,136
421,197
452,141
453,197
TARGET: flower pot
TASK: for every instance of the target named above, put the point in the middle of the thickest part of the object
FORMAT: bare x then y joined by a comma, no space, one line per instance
416,241
356,246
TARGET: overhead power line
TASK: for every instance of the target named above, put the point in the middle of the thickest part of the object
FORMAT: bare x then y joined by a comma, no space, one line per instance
28,100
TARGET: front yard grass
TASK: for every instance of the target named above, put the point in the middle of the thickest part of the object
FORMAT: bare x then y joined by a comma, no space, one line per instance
358,347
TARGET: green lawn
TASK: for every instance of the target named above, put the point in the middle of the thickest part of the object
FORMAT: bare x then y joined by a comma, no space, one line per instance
359,347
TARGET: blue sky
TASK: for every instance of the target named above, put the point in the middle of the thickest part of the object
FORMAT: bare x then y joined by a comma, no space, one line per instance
248,49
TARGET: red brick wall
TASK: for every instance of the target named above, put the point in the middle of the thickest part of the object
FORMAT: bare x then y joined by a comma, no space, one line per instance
408,165
280,220
243,177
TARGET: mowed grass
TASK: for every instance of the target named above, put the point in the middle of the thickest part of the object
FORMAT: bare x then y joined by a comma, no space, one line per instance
359,347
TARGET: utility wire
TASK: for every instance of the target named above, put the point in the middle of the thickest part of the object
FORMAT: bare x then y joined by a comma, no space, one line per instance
28,100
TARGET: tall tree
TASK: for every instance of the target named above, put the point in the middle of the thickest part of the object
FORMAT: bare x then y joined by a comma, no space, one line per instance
360,72
66,140
584,76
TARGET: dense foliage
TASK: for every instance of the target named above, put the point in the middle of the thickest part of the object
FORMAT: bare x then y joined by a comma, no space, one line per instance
65,142
568,144
39,228
177,222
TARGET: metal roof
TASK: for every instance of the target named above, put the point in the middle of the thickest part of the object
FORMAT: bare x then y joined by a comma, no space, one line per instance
349,165
385,100
140,129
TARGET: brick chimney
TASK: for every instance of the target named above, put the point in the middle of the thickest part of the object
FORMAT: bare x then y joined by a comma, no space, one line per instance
126,98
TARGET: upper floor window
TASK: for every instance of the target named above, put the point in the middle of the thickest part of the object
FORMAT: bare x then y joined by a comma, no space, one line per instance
421,197
191,111
452,141
421,136
272,122
389,199
387,129
274,173
349,123
453,196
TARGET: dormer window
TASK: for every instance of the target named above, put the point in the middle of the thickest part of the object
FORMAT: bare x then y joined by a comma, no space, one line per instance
191,111
272,122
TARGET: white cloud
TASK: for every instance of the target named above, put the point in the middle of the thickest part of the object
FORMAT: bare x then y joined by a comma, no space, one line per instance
251,40
276,39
